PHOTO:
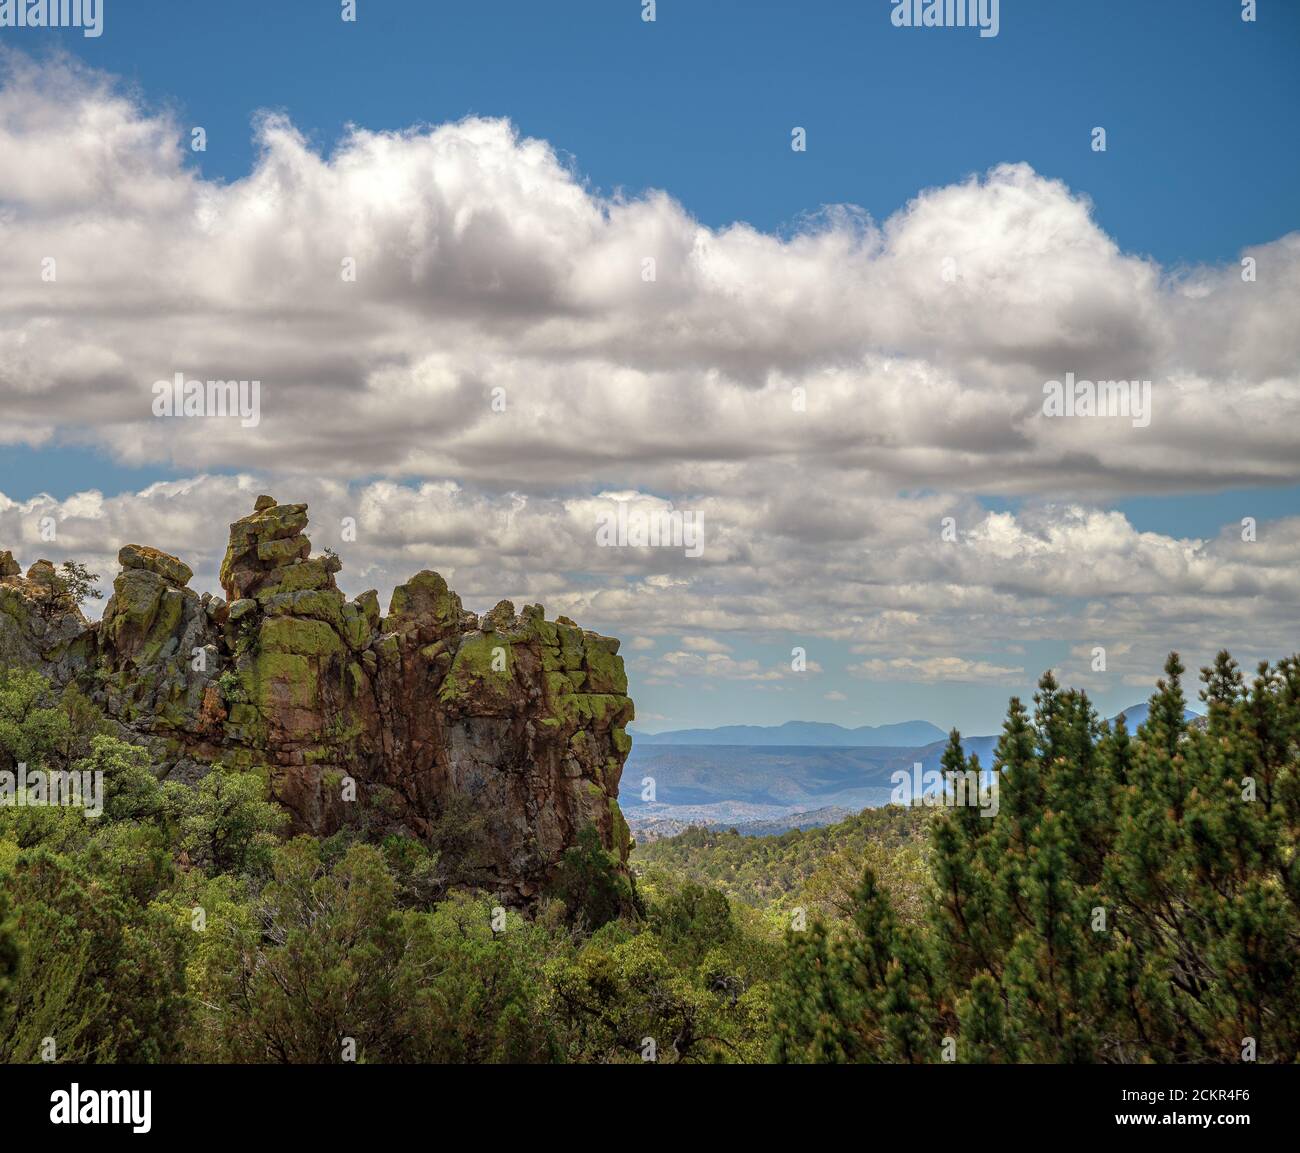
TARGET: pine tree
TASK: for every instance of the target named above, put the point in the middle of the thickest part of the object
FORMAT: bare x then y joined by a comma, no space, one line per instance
1134,899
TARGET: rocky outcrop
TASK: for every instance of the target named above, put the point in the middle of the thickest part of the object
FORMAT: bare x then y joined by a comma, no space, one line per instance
352,714
41,627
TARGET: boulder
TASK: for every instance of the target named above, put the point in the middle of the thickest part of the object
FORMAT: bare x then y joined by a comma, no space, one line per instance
173,570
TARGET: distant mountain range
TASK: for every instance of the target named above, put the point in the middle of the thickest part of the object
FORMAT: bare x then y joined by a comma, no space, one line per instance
803,734
820,735
768,778
1137,714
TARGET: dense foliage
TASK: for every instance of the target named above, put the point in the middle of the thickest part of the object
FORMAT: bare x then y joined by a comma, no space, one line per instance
1134,899
181,926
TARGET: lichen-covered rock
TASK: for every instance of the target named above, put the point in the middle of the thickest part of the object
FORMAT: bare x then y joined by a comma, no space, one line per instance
425,605
39,626
173,570
244,570
157,647
428,703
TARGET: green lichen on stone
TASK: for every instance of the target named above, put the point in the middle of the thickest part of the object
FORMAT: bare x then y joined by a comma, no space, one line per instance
621,835
613,773
353,625
579,708
571,646
166,625
131,611
622,742
174,713
558,685
280,679
501,618
306,637
241,759
310,574
343,731
482,673
273,523
537,627
14,605
241,713
368,604
319,604
599,709
605,672
424,596
172,569
284,550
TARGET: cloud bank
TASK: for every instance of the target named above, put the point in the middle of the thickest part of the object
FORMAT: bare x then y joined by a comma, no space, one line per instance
518,348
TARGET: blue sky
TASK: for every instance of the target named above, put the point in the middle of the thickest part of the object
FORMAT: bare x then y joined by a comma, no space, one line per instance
1202,163
1199,106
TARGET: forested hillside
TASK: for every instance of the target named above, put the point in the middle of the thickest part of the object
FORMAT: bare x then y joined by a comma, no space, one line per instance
814,869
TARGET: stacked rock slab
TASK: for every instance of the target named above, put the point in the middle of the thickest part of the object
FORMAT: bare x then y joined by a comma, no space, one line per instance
40,628
524,717
157,644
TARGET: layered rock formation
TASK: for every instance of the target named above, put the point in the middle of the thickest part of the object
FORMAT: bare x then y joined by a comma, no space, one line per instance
525,717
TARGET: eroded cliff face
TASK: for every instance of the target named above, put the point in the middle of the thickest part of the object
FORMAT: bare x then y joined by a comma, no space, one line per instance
523,716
